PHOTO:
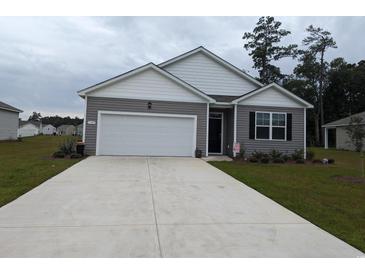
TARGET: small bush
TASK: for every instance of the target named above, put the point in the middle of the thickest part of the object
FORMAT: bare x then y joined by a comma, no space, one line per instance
279,161
265,160
298,155
75,156
59,154
310,155
299,161
242,153
258,155
275,154
331,161
253,159
20,139
285,158
317,161
68,146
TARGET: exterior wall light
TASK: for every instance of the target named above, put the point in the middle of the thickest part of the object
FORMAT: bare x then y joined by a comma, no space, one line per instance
149,105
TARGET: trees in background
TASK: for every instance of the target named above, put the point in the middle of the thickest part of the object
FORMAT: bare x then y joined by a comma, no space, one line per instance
56,120
336,89
264,47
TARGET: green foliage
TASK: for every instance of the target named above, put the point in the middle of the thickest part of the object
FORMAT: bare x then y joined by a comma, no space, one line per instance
312,192
356,132
26,164
310,155
264,46
258,155
298,154
275,155
59,154
68,146
75,156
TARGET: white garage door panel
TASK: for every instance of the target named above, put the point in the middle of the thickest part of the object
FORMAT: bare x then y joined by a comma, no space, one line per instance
146,135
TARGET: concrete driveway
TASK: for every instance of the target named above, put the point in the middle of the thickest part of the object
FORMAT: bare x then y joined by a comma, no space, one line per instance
155,207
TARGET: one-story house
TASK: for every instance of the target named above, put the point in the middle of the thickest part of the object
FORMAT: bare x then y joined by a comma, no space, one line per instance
9,121
342,140
48,130
66,130
80,129
29,128
196,101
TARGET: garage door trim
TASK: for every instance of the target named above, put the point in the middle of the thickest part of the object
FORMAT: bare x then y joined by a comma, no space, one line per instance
101,112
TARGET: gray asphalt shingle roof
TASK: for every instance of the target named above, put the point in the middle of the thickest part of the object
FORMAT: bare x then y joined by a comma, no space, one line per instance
9,107
345,121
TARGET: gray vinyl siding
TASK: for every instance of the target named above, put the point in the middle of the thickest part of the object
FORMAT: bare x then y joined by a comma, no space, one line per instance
94,104
209,76
343,140
9,123
266,146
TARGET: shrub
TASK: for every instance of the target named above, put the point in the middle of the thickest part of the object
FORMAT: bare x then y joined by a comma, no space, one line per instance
331,161
20,139
310,155
265,160
285,158
279,161
75,156
59,154
242,153
317,161
253,159
258,155
298,155
300,161
275,155
68,146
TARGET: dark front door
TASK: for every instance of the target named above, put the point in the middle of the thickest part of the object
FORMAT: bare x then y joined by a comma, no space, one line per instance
215,132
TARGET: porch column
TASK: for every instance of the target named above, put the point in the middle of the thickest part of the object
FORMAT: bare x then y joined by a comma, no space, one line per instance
326,138
234,128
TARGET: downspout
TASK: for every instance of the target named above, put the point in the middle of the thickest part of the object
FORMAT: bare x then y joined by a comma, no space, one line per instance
234,129
84,126
305,133
207,133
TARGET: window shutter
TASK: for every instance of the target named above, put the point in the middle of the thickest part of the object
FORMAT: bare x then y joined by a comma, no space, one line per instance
252,125
289,126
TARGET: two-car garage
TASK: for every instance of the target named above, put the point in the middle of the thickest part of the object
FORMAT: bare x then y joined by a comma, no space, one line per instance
145,134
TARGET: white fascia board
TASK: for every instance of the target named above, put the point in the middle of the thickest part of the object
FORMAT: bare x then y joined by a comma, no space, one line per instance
215,58
84,92
274,85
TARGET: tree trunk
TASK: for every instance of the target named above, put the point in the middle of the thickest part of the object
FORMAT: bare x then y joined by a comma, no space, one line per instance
321,98
316,129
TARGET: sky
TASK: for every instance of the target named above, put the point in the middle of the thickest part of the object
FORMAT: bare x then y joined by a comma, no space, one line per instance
44,61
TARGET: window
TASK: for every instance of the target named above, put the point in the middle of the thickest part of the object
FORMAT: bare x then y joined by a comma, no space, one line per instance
270,126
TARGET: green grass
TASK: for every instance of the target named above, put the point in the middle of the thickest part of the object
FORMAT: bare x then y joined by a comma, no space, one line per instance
24,165
312,192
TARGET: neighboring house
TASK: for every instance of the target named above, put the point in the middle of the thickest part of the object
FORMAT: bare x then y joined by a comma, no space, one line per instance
66,130
9,121
342,140
48,130
196,100
29,128
79,129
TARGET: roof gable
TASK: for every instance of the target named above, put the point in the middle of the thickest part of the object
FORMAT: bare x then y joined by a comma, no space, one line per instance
210,73
272,95
5,106
345,121
147,82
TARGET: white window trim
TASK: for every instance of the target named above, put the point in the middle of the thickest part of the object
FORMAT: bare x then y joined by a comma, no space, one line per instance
270,126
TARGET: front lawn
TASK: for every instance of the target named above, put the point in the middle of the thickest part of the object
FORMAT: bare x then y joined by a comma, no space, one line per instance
24,165
312,191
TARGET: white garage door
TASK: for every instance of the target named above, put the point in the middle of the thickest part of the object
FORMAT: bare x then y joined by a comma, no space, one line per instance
142,134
